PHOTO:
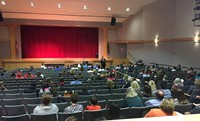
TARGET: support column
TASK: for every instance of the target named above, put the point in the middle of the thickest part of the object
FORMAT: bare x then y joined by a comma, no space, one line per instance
12,41
103,43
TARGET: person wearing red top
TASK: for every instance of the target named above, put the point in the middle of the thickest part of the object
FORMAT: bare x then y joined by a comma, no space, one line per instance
19,76
166,109
93,105
29,76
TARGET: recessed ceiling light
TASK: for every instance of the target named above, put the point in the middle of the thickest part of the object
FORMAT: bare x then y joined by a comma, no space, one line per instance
32,4
3,2
84,7
127,9
109,8
59,5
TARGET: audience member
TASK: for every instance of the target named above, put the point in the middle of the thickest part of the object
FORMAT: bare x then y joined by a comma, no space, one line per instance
46,107
147,91
113,112
93,105
135,85
45,88
158,99
132,99
152,84
31,88
75,82
74,107
180,97
28,75
61,84
110,85
188,81
166,109
194,92
19,76
167,92
177,84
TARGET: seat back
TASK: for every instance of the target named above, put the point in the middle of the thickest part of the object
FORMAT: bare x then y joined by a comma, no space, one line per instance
102,103
24,117
31,107
29,95
12,96
63,116
183,108
17,101
138,112
90,115
46,117
32,101
62,106
125,112
13,110
120,102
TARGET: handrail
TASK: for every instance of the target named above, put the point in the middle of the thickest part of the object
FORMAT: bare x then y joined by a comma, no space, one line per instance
131,56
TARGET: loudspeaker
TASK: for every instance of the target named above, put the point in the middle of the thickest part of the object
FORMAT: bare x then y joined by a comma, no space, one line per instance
1,17
113,21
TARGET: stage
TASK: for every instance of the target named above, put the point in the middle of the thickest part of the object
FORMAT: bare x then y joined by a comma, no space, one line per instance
36,63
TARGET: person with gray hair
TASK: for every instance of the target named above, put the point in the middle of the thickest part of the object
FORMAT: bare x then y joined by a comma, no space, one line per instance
132,99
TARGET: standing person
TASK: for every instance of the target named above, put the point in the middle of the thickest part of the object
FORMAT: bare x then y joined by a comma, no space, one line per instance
103,62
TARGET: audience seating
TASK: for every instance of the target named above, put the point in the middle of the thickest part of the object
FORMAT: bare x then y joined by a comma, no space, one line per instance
17,101
62,106
92,115
120,102
138,112
12,96
24,117
13,110
183,107
63,116
46,117
29,95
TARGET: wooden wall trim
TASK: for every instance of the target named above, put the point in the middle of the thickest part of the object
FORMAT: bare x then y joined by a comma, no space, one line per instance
151,41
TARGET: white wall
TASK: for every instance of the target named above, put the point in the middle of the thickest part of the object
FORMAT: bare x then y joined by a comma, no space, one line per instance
169,19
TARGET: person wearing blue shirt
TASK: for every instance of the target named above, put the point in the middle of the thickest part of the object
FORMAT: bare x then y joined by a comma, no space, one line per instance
158,99
75,82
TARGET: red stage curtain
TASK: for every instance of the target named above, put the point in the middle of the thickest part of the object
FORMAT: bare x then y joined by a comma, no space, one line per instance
59,42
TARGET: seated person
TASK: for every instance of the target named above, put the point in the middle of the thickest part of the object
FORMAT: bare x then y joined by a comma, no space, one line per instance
74,107
93,105
166,109
132,99
158,99
147,91
180,97
75,82
45,88
195,110
167,92
113,112
19,76
29,76
46,107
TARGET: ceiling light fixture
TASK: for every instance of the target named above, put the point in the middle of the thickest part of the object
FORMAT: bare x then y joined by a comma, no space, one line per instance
59,5
109,8
127,9
3,2
32,4
156,40
84,7
196,38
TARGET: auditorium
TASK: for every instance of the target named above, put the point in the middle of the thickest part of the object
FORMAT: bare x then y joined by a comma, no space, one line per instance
96,60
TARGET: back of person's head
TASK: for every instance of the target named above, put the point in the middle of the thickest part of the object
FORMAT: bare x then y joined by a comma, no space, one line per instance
110,83
197,83
147,90
113,111
159,94
46,99
74,98
177,80
179,94
152,84
135,85
93,100
167,106
130,92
